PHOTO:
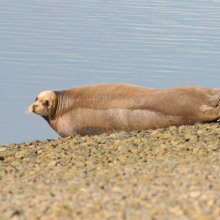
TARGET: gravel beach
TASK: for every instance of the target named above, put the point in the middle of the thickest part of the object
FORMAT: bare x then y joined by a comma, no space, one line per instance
163,174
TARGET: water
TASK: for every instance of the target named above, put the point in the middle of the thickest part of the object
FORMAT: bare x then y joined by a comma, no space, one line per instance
56,44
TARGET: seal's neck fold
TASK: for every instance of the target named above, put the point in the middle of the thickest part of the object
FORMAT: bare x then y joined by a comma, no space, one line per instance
64,101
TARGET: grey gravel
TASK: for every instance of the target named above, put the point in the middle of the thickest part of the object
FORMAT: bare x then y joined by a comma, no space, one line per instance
170,173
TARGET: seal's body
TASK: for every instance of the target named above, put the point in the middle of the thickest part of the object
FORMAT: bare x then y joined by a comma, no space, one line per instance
112,107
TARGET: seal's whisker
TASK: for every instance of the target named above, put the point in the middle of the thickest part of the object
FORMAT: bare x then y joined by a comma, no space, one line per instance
27,111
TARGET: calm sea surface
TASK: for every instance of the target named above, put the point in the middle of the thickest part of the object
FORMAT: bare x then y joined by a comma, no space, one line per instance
59,44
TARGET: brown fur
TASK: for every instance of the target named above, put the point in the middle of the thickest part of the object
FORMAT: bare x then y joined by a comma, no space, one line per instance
95,109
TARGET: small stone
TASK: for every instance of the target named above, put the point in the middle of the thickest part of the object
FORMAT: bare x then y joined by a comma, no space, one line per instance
32,146
49,145
195,194
81,147
80,164
2,149
52,163
16,163
39,151
10,213
19,154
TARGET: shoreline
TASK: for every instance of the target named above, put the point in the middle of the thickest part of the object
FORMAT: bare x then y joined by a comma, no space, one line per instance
156,174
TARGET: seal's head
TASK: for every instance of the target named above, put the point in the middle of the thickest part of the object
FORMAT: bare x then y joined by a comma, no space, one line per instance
45,104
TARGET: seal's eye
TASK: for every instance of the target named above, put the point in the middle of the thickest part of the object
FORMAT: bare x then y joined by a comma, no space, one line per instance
46,102
36,99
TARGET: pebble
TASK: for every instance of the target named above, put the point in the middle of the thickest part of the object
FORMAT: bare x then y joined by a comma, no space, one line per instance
169,173
2,149
16,163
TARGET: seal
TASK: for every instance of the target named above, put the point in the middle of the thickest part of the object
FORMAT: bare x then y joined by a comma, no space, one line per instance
113,107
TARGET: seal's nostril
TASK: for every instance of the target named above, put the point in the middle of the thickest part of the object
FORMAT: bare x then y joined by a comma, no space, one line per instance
34,107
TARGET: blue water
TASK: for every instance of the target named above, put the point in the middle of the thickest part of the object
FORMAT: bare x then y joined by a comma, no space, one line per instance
55,44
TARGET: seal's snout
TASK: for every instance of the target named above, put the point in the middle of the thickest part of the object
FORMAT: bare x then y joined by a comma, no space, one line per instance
32,108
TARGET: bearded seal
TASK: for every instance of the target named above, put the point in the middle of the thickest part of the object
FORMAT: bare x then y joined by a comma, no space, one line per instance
113,107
